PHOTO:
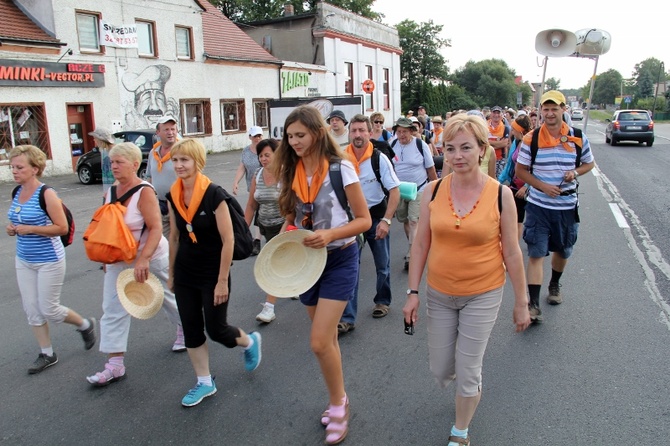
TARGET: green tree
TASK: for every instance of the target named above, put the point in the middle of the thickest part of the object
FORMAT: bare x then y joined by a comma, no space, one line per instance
253,10
421,62
488,82
551,84
646,74
607,87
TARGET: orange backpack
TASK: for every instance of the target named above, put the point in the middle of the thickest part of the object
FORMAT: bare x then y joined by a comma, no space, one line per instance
108,239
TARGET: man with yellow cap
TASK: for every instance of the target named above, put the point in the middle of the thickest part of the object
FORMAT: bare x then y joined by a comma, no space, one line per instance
561,155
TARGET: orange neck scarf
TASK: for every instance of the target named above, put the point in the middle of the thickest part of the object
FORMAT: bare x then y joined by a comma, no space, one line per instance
498,131
355,161
305,192
160,160
177,193
546,141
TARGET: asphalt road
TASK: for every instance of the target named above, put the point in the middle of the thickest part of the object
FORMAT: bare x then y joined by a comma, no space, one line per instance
594,373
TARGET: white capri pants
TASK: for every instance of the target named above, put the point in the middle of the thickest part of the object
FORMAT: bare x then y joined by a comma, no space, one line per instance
40,286
115,322
458,332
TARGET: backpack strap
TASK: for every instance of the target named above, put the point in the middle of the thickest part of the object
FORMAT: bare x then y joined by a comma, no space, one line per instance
335,174
419,146
127,195
437,186
578,133
41,199
374,161
500,198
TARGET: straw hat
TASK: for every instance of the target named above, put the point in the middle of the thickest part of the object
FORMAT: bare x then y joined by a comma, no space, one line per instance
286,268
141,300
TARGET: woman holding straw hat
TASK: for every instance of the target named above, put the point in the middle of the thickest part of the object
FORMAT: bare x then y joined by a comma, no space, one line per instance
201,252
143,218
308,201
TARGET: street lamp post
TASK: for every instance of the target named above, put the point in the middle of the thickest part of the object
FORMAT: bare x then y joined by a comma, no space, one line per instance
661,69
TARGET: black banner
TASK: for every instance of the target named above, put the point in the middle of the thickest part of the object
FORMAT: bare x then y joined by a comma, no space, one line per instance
28,73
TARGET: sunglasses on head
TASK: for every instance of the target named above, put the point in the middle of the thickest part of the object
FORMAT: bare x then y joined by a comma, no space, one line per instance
307,211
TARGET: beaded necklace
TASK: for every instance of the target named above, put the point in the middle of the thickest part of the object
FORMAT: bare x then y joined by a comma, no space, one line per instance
458,217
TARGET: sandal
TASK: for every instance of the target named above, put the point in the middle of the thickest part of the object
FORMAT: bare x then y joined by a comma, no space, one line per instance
380,311
325,416
345,327
106,377
460,440
338,427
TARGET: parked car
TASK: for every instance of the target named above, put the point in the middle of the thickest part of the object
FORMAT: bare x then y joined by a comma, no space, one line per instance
577,114
630,125
89,167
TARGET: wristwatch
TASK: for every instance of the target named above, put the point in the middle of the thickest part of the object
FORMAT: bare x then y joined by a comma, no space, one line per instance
386,220
411,291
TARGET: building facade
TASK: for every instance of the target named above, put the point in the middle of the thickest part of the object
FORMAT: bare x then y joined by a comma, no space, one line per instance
68,66
352,54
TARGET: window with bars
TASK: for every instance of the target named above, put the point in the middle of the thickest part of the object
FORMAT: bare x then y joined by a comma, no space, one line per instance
369,98
88,32
261,112
22,124
197,117
233,118
349,78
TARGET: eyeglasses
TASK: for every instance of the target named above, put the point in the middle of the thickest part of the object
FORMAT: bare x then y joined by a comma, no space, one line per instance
307,211
379,122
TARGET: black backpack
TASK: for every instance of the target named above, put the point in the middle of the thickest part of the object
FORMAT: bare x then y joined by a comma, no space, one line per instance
67,238
381,147
244,242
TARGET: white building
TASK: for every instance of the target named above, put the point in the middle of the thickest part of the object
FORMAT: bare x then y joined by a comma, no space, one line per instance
60,77
341,50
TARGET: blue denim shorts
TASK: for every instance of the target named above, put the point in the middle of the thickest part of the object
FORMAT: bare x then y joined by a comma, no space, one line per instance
338,281
549,230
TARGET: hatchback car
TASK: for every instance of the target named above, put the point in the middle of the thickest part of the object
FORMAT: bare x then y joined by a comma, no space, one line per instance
630,125
89,167
577,114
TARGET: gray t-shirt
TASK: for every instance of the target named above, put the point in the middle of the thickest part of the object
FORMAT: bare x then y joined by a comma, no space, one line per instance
163,180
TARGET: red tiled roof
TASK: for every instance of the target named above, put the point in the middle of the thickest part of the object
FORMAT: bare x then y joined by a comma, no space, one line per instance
224,40
16,26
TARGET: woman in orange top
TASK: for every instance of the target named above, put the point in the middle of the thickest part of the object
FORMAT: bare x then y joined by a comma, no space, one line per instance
468,243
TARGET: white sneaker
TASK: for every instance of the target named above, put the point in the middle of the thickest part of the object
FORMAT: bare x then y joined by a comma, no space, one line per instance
267,315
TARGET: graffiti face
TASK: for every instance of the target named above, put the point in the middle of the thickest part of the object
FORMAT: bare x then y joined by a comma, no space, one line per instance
152,104
149,102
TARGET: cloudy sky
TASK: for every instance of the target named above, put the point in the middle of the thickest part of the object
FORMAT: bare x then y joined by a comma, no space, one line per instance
487,29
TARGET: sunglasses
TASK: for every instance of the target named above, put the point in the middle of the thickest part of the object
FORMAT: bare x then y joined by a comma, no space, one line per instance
378,122
307,211
409,328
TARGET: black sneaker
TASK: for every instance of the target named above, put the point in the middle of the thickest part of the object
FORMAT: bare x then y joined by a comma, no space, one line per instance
42,362
554,297
257,248
535,313
88,335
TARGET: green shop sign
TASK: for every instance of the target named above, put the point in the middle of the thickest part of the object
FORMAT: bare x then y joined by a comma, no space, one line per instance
293,79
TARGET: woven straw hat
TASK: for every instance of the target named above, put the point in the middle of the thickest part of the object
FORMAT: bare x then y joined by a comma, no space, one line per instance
286,268
141,300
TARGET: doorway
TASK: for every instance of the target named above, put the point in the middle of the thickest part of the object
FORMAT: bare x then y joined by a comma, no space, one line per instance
80,123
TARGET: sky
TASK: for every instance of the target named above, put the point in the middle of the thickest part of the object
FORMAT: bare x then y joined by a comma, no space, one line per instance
488,29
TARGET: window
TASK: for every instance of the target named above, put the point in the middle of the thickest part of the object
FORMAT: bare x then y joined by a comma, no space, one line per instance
232,115
184,38
197,116
349,78
386,87
261,113
369,98
146,38
23,124
88,32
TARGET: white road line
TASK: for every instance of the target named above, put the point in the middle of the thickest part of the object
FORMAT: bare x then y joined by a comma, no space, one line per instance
618,216
646,252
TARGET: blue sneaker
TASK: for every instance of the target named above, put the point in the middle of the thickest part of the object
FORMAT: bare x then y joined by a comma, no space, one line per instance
197,394
252,356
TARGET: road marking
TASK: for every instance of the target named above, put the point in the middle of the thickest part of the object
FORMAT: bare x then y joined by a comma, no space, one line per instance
618,216
645,251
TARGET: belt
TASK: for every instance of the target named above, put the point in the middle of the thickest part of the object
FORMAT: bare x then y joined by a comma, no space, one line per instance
342,247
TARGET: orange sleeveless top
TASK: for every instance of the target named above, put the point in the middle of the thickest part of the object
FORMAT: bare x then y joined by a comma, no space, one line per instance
465,259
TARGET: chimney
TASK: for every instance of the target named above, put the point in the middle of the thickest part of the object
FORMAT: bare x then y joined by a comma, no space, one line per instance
288,10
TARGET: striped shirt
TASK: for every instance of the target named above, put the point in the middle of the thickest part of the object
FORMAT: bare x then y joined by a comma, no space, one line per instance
33,248
550,166
267,198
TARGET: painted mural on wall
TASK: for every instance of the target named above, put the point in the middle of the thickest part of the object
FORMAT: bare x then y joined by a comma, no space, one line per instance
150,101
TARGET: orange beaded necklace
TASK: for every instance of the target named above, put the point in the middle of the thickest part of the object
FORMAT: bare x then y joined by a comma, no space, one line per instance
459,219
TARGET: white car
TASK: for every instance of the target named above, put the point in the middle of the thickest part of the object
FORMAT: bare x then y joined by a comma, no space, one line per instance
577,114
